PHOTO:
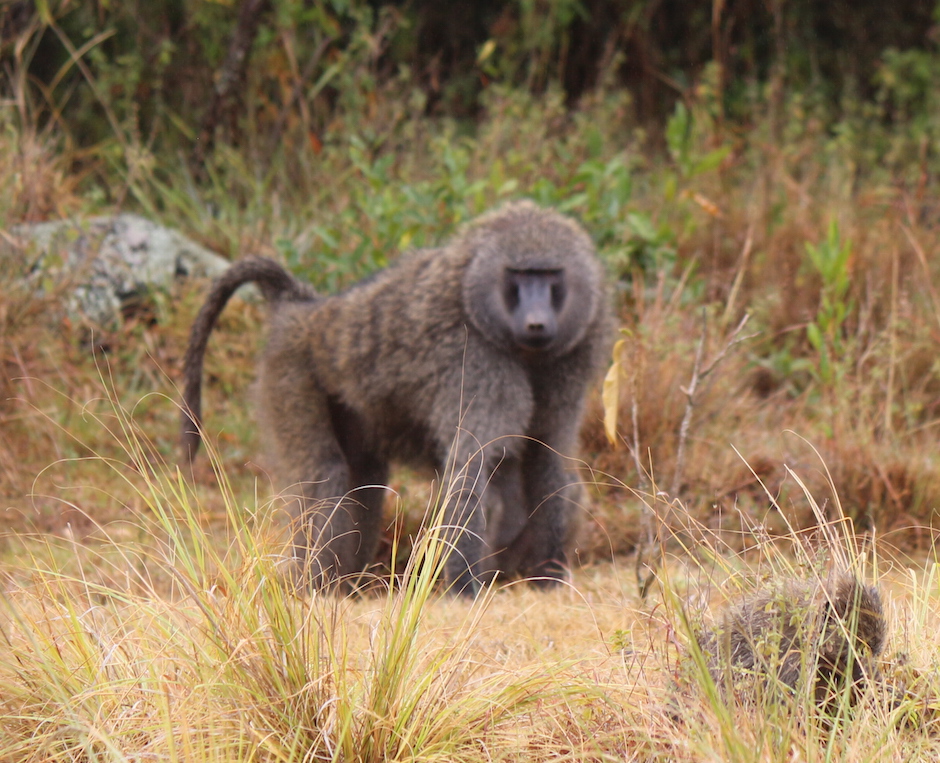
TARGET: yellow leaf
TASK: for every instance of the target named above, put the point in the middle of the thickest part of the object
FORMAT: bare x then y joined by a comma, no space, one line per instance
708,205
486,51
610,395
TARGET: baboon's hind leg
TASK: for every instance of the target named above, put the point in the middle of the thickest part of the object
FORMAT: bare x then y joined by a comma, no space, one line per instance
295,414
368,476
337,536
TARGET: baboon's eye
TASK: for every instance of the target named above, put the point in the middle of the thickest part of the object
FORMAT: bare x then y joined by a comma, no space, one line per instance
512,293
558,295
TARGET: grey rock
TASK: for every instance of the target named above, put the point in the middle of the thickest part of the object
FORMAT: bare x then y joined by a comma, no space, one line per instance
112,262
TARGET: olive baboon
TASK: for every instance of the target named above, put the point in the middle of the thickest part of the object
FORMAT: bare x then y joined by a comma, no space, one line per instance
822,636
472,359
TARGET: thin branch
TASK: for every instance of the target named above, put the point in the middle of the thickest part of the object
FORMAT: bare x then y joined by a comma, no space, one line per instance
698,374
928,282
739,276
689,407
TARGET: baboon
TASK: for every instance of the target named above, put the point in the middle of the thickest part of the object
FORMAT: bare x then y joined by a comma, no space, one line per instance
821,636
471,360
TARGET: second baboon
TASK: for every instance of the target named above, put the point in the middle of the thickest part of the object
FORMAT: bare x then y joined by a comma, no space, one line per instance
822,636
471,360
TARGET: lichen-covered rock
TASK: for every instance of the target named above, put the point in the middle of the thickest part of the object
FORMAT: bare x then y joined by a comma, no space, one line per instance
111,263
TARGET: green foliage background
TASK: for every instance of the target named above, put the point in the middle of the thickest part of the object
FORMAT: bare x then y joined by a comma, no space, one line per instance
144,73
775,159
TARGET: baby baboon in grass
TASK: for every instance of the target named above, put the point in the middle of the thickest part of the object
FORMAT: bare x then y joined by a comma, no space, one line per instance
823,636
471,360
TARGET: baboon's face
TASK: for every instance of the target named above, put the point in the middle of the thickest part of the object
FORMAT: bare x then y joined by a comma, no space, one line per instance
532,300
532,283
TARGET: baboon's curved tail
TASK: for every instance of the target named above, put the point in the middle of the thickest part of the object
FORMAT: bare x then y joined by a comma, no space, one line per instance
275,283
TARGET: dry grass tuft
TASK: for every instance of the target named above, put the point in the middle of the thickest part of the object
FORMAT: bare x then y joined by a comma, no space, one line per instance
173,634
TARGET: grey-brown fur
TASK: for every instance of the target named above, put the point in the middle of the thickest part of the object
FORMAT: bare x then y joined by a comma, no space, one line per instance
799,634
275,285
418,364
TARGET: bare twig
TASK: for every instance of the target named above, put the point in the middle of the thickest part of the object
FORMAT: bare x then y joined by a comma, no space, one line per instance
649,552
635,445
739,275
892,343
698,374
922,257
689,407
